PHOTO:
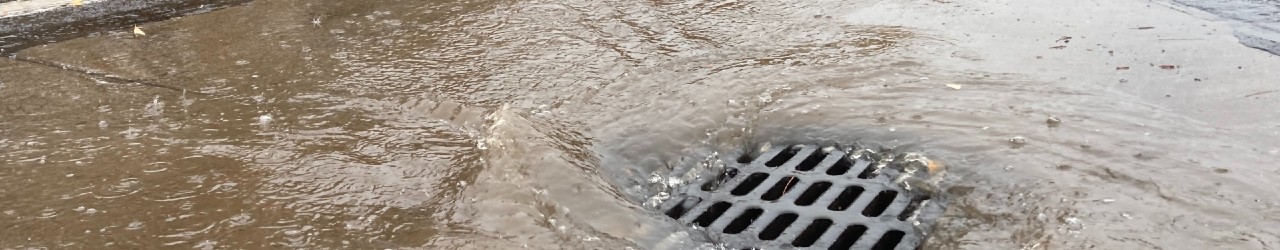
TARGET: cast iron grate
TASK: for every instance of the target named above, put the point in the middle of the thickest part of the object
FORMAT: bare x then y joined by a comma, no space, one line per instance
805,196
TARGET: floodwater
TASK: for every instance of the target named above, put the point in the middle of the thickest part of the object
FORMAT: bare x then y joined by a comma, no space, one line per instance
1255,22
554,124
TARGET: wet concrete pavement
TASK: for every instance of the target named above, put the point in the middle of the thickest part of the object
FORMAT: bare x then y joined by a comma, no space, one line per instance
503,124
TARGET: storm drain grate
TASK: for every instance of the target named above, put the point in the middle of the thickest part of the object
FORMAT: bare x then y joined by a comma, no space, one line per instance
808,197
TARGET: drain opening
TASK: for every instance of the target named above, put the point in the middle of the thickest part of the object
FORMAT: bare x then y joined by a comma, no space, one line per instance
811,195
912,207
743,221
775,228
889,240
850,236
880,203
842,166
846,198
812,233
783,186
867,173
782,157
812,161
749,184
713,185
683,207
714,212
745,158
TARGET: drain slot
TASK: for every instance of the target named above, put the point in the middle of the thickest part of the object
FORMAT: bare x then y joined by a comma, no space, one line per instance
880,203
846,198
912,207
749,184
743,221
868,172
720,179
811,233
683,207
811,195
842,166
782,157
714,212
889,240
783,186
812,161
776,227
850,236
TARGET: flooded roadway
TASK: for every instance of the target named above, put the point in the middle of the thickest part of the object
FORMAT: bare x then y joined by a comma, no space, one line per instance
550,124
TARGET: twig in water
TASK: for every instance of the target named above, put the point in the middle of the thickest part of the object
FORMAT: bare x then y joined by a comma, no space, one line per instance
1263,92
788,186
97,76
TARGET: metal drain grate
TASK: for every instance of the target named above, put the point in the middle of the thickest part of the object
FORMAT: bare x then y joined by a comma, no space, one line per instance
804,196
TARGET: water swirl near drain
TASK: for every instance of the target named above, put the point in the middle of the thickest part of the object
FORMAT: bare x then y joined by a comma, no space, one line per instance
815,197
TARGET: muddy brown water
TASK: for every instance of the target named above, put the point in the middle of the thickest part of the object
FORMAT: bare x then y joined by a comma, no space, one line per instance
554,124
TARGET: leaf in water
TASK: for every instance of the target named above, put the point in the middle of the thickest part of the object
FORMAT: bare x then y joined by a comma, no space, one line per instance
935,167
77,3
138,31
953,86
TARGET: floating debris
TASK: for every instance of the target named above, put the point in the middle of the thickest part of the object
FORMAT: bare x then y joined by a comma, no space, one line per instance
1262,92
1018,141
1053,122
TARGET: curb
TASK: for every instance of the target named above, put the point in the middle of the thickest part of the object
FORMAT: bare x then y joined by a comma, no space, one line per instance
27,23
